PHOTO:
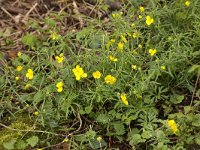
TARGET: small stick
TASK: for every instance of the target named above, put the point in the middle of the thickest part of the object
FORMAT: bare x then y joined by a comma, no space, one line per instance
195,86
76,11
27,14
4,10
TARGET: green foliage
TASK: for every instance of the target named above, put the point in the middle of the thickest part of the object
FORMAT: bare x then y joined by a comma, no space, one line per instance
149,76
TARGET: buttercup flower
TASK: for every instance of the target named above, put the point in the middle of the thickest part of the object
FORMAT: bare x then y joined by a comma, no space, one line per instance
163,67
120,46
29,74
54,36
59,58
123,38
19,54
140,45
172,125
140,16
187,3
99,139
136,34
110,79
149,20
59,86
79,72
141,9
36,113
124,99
17,78
134,67
96,74
112,58
19,68
152,52
110,42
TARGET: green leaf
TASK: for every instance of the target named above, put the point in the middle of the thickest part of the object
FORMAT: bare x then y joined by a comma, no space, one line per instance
187,109
88,109
29,40
176,99
94,144
33,141
193,68
119,128
103,118
20,144
38,97
197,140
9,145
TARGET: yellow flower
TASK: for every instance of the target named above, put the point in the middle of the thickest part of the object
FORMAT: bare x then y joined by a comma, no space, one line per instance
120,46
140,16
172,125
39,149
19,54
19,68
99,139
163,67
79,72
124,99
123,38
134,67
149,20
59,86
170,122
132,25
96,74
66,140
59,58
27,86
136,34
36,113
110,42
152,52
140,45
116,15
110,79
187,3
112,58
17,78
141,9
29,74
54,36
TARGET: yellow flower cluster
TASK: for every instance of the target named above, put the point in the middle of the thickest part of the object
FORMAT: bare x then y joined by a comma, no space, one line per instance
109,79
152,52
124,99
120,46
112,41
172,125
54,36
79,72
19,68
112,58
59,86
29,74
149,20
59,58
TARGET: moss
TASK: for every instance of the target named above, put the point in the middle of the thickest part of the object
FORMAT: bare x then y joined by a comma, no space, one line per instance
21,122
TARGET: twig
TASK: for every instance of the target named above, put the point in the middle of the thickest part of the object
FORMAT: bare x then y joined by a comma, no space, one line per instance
38,131
76,11
27,14
195,86
4,10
